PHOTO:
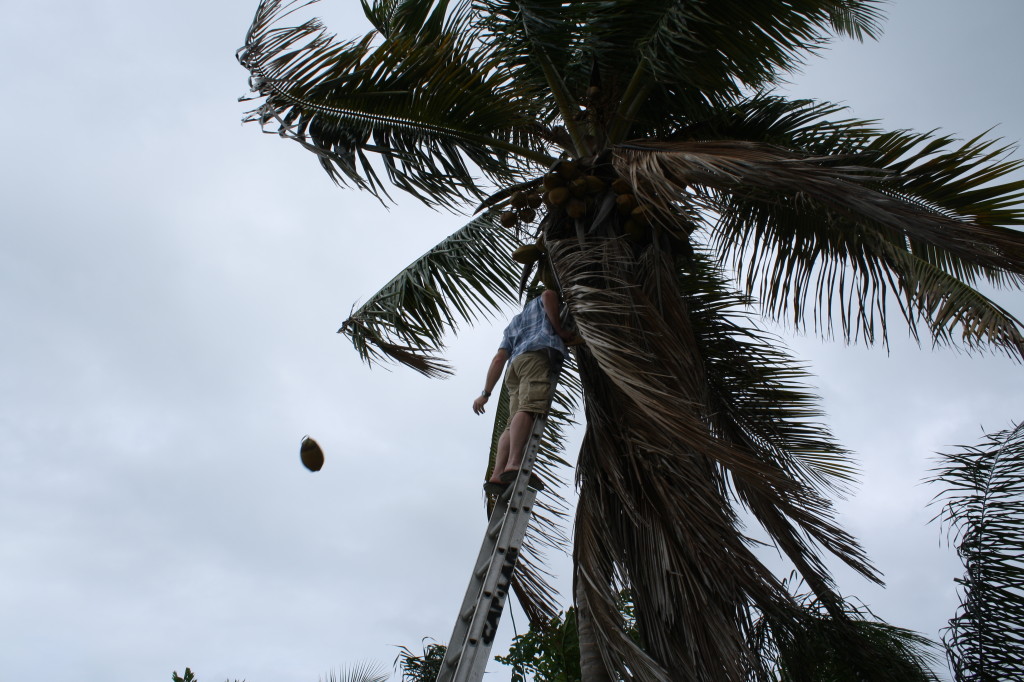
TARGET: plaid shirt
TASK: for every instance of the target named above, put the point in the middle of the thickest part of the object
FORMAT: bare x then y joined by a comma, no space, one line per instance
531,330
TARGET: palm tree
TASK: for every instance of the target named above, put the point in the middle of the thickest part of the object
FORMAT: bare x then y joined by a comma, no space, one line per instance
816,646
681,201
983,509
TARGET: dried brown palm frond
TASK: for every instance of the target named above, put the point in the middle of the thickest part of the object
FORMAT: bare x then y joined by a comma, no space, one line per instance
657,473
758,395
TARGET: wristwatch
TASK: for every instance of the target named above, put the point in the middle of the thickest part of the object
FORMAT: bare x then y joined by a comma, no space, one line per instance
485,394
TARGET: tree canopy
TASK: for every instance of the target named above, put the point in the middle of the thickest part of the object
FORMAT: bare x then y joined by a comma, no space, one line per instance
674,199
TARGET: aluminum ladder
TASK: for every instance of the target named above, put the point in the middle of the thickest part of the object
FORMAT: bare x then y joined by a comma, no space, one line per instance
470,645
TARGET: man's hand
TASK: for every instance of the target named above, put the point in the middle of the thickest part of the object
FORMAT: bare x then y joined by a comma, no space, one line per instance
493,374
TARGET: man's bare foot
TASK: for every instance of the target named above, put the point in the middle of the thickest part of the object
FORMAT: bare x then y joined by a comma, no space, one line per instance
509,475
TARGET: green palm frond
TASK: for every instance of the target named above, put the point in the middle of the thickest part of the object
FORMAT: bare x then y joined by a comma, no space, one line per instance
817,267
954,312
757,401
756,392
811,644
422,668
711,52
805,125
539,43
431,109
846,235
365,671
983,510
424,19
467,275
517,27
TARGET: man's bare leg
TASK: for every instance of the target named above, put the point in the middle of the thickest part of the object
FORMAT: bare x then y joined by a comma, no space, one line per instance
500,458
518,433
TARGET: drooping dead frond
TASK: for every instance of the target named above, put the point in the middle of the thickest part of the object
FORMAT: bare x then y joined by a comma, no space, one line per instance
655,474
758,395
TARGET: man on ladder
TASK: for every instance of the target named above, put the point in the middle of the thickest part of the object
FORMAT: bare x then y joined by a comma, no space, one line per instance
533,342
533,346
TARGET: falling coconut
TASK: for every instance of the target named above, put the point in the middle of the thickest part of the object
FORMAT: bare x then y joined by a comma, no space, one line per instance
311,455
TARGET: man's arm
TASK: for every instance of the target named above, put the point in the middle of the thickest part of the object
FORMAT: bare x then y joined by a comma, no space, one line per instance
493,374
551,306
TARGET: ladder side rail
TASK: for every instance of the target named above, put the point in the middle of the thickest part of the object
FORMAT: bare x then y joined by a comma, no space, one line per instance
486,594
474,591
488,615
475,653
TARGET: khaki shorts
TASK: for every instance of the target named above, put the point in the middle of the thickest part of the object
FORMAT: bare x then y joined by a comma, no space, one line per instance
528,381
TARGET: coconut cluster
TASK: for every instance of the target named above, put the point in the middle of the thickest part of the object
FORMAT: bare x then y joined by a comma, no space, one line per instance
576,192
579,193
522,209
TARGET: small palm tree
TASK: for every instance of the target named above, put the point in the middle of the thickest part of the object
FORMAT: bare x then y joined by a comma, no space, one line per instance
635,148
814,645
983,509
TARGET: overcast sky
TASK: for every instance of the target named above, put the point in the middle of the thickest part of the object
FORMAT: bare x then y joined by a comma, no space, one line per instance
171,284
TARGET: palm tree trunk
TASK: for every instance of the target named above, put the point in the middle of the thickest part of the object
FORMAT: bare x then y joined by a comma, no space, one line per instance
592,667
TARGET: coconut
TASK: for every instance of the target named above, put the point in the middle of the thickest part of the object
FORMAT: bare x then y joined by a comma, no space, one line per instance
533,200
518,200
578,187
641,214
594,184
311,455
527,215
553,180
625,203
509,219
567,169
621,186
558,196
634,231
528,254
